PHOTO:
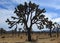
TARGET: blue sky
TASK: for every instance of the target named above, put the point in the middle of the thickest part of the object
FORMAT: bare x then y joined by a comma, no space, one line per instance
7,8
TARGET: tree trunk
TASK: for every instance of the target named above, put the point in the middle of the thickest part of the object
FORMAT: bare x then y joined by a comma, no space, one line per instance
29,34
50,33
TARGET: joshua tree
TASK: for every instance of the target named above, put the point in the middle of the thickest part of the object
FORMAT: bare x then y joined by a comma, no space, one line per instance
12,31
57,27
15,29
29,12
19,31
50,26
2,31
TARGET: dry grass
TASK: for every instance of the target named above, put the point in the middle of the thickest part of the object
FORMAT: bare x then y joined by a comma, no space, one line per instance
22,38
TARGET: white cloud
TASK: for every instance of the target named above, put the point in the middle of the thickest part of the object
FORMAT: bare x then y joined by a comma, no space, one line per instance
53,16
4,14
57,20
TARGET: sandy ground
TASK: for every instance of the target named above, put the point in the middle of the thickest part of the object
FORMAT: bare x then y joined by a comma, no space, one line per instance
22,38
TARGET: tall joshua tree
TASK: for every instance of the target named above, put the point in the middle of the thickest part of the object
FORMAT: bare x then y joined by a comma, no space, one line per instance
28,12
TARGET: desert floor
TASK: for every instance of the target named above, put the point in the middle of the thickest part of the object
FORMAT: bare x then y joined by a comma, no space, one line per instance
22,38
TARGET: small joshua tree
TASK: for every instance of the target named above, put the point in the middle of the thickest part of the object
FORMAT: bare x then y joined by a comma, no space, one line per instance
19,31
16,29
57,27
2,31
50,25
